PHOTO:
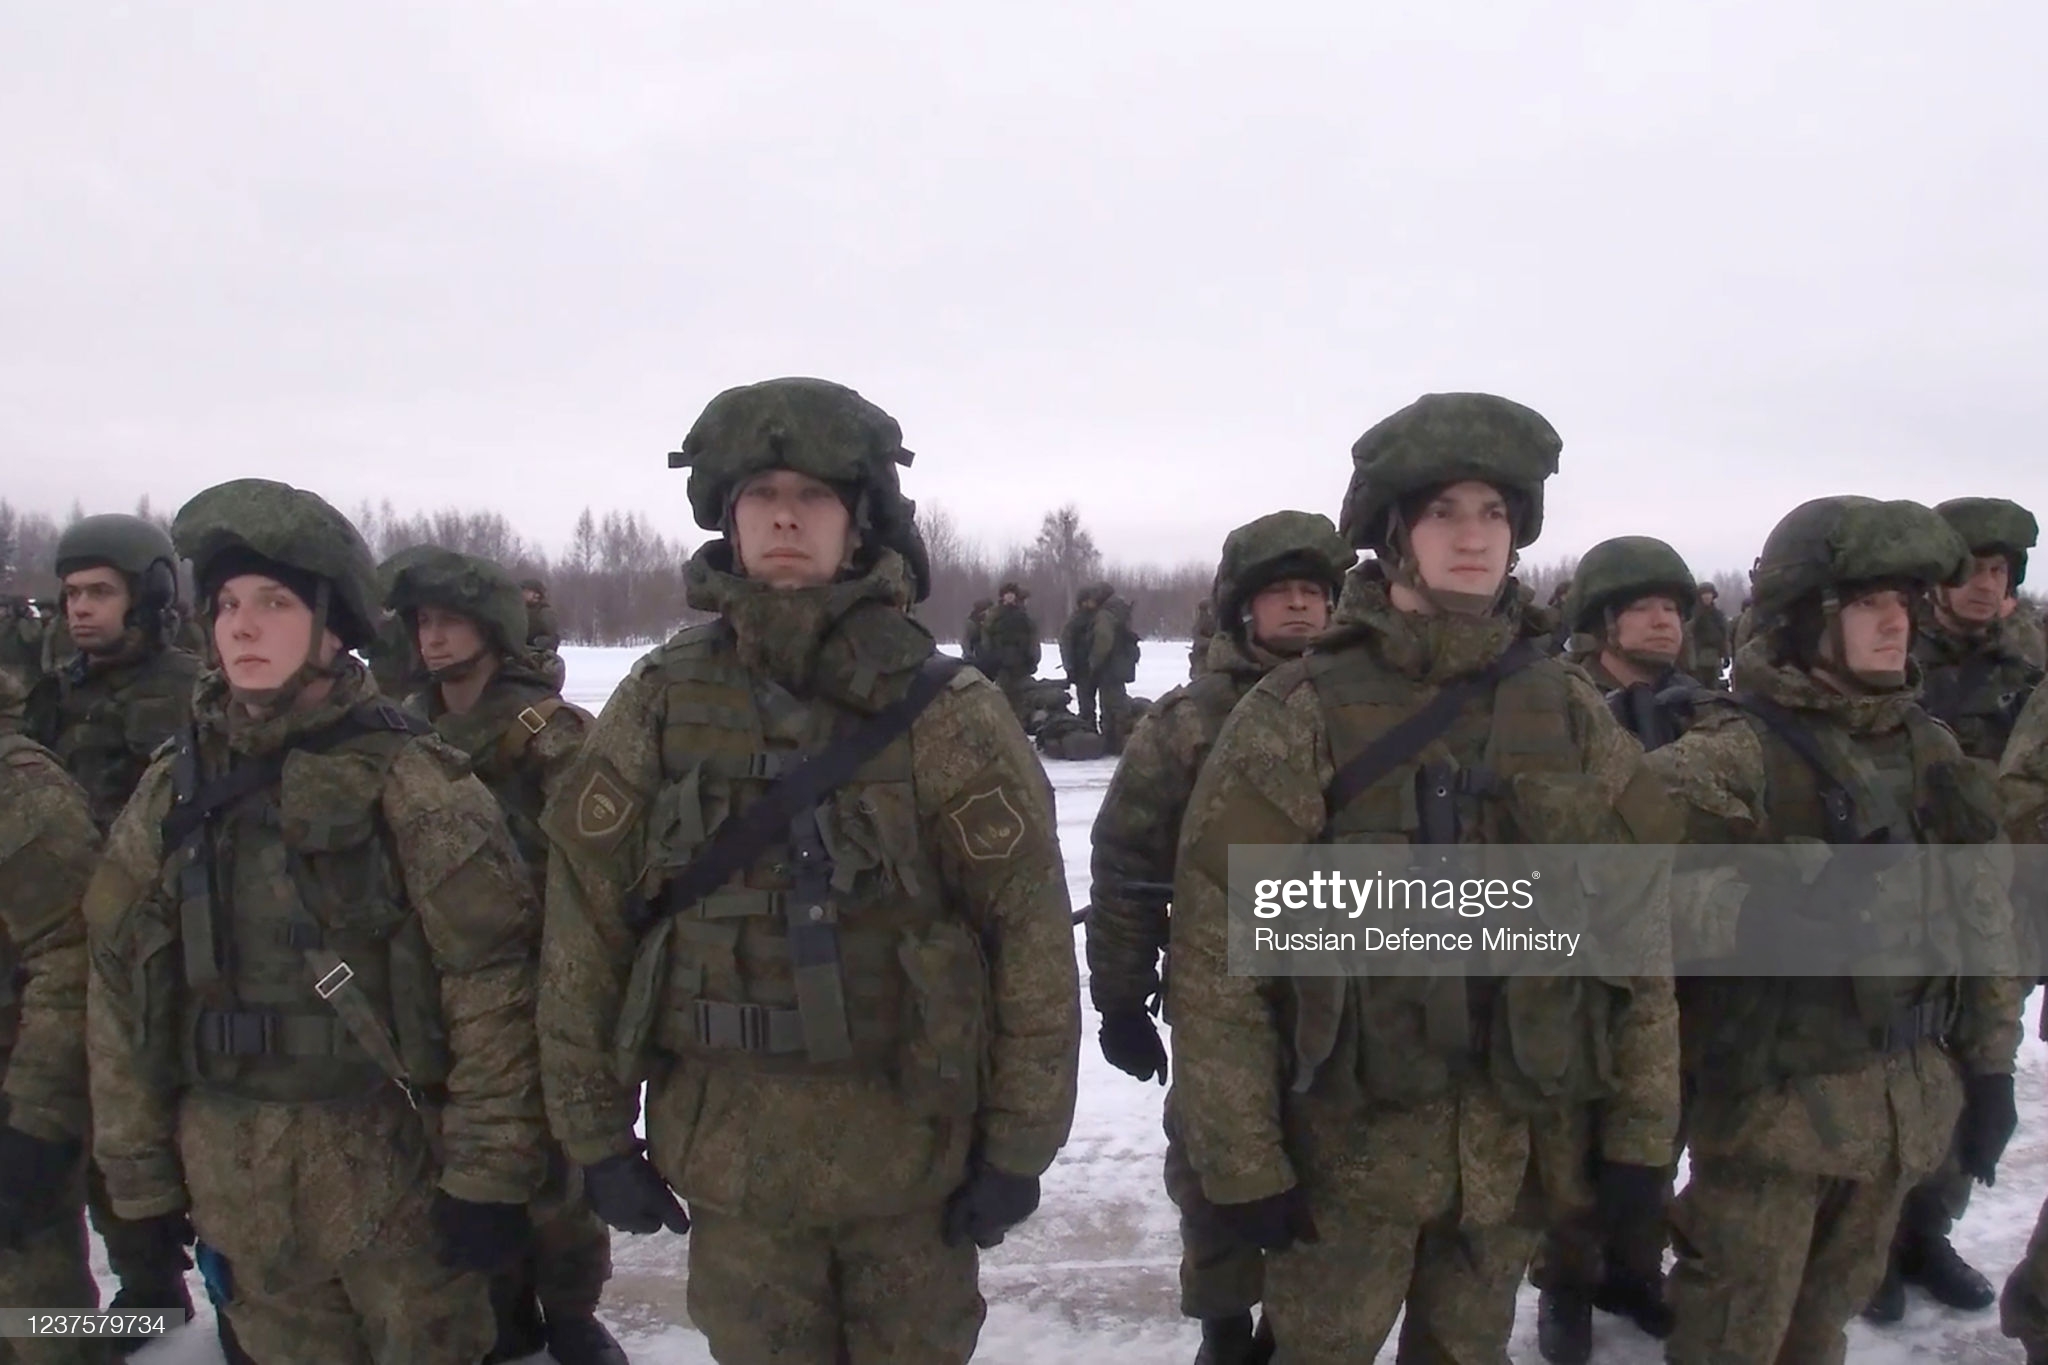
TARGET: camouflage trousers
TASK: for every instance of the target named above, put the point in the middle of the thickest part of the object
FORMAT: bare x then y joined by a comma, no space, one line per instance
400,1309
1115,703
570,1258
1577,1253
1333,1301
1772,1264
1084,701
138,1259
876,1291
1933,1206
51,1270
2023,1307
1220,1276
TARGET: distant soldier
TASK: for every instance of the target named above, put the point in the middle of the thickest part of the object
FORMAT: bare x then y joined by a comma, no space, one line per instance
1112,664
21,641
1076,640
1708,639
1010,645
484,697
2023,623
1276,581
104,712
970,634
48,848
1198,643
543,632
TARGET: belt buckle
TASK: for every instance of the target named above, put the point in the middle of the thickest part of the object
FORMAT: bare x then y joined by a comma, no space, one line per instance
338,976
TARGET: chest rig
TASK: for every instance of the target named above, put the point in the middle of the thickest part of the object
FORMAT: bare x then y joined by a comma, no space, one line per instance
307,976
829,944
1980,696
103,726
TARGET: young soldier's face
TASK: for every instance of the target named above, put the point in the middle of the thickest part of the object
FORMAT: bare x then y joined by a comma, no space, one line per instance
1463,539
95,607
447,637
1877,629
1651,626
1981,598
1290,609
264,632
790,530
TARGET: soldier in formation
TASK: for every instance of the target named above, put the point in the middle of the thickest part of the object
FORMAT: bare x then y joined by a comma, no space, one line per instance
970,634
104,712
1708,650
1198,643
1363,1132
48,845
1816,1102
543,632
485,697
310,1017
805,884
1010,647
1275,584
1112,663
1076,642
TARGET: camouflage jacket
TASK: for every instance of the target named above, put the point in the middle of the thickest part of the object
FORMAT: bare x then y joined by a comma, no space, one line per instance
1198,647
448,865
543,631
48,846
1250,1132
1139,823
1706,638
521,738
104,720
2023,801
1112,646
1075,638
1009,642
945,838
1975,684
1843,1124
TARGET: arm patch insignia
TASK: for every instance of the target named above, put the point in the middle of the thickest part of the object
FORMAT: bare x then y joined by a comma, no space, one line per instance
989,826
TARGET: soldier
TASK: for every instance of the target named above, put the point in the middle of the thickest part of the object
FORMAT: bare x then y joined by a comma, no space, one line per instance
2023,792
21,641
1975,680
543,633
2023,625
1709,651
1275,582
805,883
1198,644
970,634
311,1008
484,697
1378,1152
1112,664
1816,1102
47,849
1077,638
1010,645
103,713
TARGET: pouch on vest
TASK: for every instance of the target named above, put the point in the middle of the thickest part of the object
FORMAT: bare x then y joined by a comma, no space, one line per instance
641,1007
945,1041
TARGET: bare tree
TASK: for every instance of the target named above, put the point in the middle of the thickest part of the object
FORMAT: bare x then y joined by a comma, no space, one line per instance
1065,553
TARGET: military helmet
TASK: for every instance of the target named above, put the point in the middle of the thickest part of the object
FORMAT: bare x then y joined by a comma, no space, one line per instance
1616,572
1278,546
1446,438
1014,587
475,587
1833,541
1994,526
137,547
533,585
286,526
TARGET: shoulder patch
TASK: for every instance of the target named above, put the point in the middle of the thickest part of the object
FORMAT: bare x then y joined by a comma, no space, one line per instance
602,810
990,827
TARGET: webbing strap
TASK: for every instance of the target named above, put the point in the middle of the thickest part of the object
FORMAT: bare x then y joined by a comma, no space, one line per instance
1407,738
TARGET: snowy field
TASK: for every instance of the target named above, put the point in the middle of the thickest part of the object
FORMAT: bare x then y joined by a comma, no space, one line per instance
1092,1277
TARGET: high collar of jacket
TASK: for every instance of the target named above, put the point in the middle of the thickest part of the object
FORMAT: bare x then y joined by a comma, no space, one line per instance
1940,643
219,717
1426,648
1795,689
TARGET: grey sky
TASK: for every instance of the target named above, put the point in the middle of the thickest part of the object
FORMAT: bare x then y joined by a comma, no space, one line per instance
1165,259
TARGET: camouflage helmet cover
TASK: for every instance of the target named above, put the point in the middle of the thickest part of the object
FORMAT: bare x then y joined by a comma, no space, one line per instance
115,539
430,576
1829,542
1616,572
1994,526
1445,438
289,526
1279,545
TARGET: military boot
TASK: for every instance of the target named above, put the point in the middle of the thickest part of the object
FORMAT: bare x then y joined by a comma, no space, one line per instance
1227,1341
1564,1326
580,1339
518,1313
137,1295
1888,1304
1934,1264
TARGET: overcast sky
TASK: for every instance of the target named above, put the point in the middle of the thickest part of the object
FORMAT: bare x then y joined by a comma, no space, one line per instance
1163,258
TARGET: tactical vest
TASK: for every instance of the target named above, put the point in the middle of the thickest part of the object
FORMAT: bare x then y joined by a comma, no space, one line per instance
104,727
1745,1033
835,951
1409,1039
1979,697
306,974
501,766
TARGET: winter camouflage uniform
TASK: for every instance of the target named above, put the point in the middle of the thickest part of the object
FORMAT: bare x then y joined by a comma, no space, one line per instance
1010,647
21,641
1707,642
1133,864
307,1130
544,636
1198,646
2023,791
1420,1149
48,846
103,715
1112,665
1808,1123
521,739
836,1105
1076,640
970,634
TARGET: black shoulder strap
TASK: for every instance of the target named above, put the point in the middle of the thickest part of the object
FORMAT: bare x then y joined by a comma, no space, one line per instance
1406,739
1836,803
740,840
195,802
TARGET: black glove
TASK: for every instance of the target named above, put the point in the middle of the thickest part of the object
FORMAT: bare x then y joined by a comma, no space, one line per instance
988,1205
1130,1043
627,1192
34,1175
476,1236
1989,1118
1274,1223
167,1235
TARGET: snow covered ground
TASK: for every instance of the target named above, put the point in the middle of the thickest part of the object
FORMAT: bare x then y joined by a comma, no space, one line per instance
1092,1276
